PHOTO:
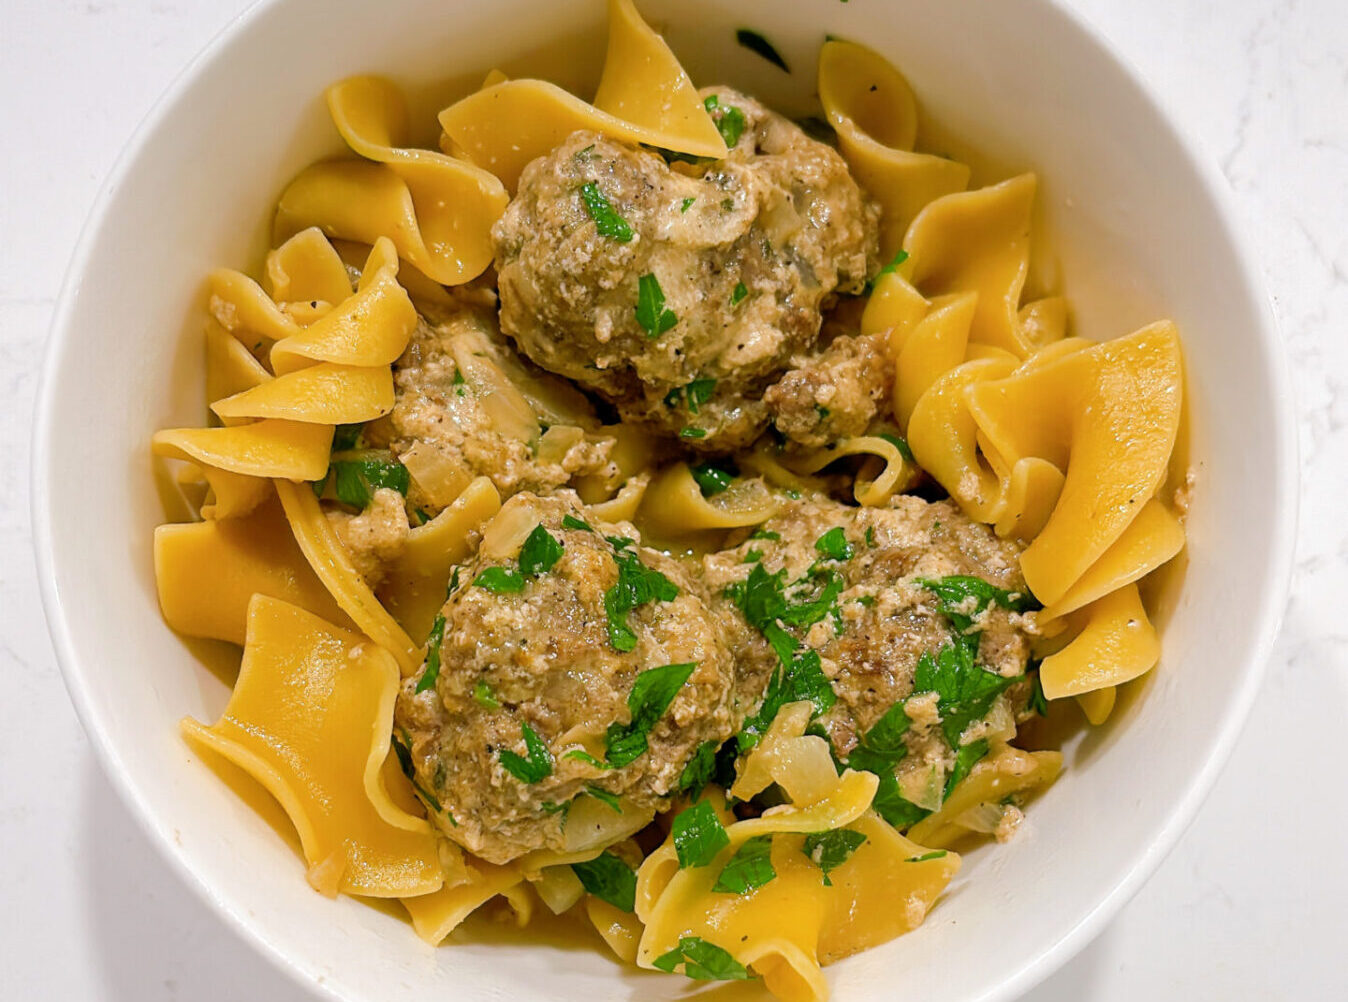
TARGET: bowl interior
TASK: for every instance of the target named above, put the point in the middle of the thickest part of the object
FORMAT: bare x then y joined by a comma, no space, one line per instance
1136,232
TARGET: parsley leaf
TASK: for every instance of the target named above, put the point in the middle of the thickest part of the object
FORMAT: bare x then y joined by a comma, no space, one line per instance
963,597
765,534
610,879
730,121
432,672
1038,701
965,759
404,753
652,692
637,584
893,266
801,678
346,437
831,849
965,691
756,43
692,433
606,220
749,869
834,545
711,478
500,580
483,695
702,961
609,800
695,394
539,552
698,835
698,771
686,203
934,854
534,769
571,522
738,294
355,480
651,313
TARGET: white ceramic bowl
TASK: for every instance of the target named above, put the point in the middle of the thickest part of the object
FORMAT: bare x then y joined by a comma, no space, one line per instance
1140,230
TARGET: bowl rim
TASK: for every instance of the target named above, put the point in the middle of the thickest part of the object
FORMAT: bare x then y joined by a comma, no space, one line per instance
1285,478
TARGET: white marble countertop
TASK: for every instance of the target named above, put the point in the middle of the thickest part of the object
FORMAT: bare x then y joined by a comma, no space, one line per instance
1251,905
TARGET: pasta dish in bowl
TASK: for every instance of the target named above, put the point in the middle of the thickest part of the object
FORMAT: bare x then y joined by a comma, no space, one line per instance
663,521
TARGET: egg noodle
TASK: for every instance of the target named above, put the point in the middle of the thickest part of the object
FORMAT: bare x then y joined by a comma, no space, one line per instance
1061,445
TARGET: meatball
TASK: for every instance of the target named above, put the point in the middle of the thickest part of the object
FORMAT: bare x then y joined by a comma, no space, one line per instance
680,292
541,644
875,620
466,405
833,394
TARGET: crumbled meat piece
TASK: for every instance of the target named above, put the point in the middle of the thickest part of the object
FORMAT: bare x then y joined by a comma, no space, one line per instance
834,394
375,537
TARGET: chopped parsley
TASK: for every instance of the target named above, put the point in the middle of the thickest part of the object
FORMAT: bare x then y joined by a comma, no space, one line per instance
759,45
699,769
357,478
534,769
834,545
749,869
752,556
698,835
965,691
739,293
702,961
606,220
500,580
483,696
571,522
966,757
765,534
686,203
609,800
346,437
963,597
927,856
695,394
730,121
404,753
652,315
652,692
432,672
831,849
1038,701
692,433
712,479
539,552
888,269
637,584
610,879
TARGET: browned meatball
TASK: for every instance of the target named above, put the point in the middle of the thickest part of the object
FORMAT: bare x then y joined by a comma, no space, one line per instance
570,661
679,292
858,574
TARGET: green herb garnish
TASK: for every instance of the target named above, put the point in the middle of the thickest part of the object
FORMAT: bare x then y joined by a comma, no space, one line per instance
483,696
926,856
500,580
963,597
966,757
539,552
730,121
534,769
606,220
432,672
571,522
652,692
698,835
711,478
831,849
637,584
749,869
965,691
686,203
701,961
610,879
834,545
356,479
609,800
692,433
698,771
737,296
652,315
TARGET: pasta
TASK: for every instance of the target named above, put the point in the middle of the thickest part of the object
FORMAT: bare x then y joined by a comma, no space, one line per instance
719,648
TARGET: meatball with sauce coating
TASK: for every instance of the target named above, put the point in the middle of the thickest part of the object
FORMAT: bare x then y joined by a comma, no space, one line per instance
573,664
873,618
680,292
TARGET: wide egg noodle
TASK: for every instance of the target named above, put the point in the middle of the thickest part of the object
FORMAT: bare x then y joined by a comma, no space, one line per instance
291,450
438,210
332,563
644,97
326,393
1004,771
929,349
1076,411
871,487
306,269
786,929
1117,644
206,573
413,589
310,718
673,506
872,108
978,241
